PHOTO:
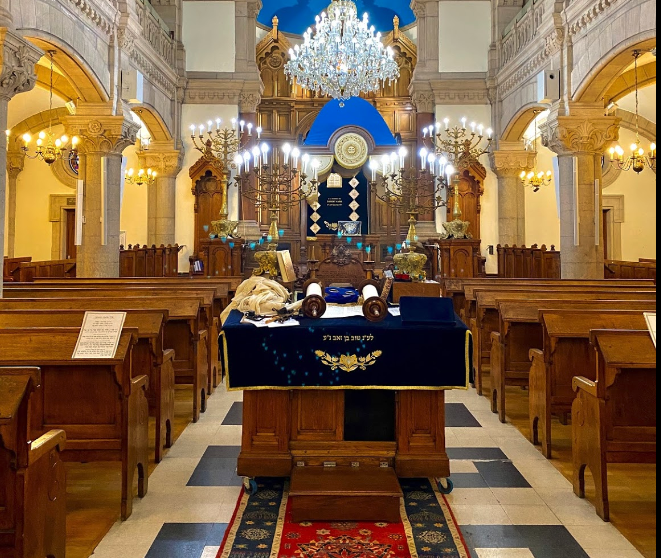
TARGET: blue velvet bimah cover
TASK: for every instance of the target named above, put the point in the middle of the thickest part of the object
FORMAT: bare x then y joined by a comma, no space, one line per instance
349,353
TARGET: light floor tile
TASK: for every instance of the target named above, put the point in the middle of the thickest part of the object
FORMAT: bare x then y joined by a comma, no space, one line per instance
210,552
504,553
461,466
531,515
592,553
472,497
480,515
517,497
600,537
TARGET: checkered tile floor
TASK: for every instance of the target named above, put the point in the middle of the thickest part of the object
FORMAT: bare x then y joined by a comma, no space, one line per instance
509,501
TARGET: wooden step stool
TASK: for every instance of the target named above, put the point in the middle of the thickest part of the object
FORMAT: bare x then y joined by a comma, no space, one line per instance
345,494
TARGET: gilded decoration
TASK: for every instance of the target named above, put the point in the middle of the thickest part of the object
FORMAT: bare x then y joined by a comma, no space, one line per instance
268,263
351,151
456,229
348,363
411,263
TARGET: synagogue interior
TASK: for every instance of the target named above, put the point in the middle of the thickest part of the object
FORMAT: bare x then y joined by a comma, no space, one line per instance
328,278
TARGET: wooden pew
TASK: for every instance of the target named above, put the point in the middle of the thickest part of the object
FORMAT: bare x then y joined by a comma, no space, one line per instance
455,287
221,297
11,264
98,403
486,320
182,334
27,271
32,478
614,416
614,269
149,357
566,353
205,294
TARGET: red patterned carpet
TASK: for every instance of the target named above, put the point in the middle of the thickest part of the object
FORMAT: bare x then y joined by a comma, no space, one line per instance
262,528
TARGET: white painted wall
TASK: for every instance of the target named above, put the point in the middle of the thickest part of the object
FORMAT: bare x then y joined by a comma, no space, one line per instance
133,215
209,36
465,35
26,104
185,213
489,213
542,220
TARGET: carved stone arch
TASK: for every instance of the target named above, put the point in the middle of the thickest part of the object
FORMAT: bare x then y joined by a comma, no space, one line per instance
625,83
87,85
306,123
596,82
519,123
154,122
61,85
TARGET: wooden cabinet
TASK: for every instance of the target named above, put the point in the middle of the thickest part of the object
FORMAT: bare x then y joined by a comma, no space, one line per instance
461,258
287,429
220,259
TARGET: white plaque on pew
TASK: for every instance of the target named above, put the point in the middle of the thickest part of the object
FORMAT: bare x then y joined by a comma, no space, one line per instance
99,335
650,318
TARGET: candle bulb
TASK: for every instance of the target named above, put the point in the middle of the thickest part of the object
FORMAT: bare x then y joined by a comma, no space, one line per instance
218,123
249,128
305,160
489,133
209,126
286,149
402,156
447,123
295,154
259,132
201,130
256,153
374,166
463,123
473,125
242,124
423,158
192,129
265,153
449,171
246,160
233,123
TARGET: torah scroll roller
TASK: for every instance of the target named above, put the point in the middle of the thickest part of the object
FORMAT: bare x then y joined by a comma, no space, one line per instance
375,308
314,305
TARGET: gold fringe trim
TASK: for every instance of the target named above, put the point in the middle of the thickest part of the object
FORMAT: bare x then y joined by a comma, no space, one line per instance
277,539
452,526
410,539
231,537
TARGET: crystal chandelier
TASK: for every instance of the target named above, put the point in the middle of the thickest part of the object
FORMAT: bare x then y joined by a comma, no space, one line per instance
49,148
344,58
638,159
457,145
141,178
534,179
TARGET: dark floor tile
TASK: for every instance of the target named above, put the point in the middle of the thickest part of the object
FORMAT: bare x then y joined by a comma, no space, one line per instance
222,451
234,416
458,416
468,480
215,472
186,540
544,541
501,474
476,454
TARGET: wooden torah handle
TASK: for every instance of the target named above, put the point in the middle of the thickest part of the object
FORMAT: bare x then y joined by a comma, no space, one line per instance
375,308
314,304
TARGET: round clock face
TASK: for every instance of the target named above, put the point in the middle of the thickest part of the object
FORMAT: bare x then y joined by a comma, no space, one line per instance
351,151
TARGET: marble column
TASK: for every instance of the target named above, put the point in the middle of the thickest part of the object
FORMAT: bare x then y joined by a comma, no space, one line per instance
15,163
427,14
580,140
507,165
162,197
103,137
245,26
17,75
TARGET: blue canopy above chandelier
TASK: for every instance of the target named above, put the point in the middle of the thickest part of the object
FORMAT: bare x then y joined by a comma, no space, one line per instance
297,15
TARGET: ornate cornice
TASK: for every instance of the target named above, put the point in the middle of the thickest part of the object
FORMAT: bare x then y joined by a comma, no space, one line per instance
511,163
102,134
17,64
455,91
569,135
91,11
224,92
424,101
588,15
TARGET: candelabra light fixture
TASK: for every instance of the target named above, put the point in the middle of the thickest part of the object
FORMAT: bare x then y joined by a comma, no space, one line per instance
344,57
276,180
49,148
535,179
459,145
141,178
638,159
411,191
224,145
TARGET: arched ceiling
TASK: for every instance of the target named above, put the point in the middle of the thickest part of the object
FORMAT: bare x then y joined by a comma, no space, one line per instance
297,15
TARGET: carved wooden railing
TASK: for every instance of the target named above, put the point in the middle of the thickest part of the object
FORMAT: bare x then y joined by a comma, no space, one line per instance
144,261
156,32
644,269
10,265
519,262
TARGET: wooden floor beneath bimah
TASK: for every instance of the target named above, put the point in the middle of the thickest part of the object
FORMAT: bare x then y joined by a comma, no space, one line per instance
509,500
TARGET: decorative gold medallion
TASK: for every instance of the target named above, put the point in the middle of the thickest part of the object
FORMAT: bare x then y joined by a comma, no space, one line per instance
351,151
348,363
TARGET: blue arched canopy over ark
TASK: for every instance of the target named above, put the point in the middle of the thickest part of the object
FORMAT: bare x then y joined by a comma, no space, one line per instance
297,15
356,112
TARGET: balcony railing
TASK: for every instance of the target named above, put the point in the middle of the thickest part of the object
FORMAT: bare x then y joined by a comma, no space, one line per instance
522,31
156,32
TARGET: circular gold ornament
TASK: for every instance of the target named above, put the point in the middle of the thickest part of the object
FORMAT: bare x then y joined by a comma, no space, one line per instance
351,151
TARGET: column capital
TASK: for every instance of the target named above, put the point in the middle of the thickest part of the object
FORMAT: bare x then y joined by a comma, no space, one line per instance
102,133
584,131
15,163
249,98
423,96
17,64
510,163
166,162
